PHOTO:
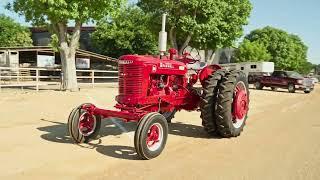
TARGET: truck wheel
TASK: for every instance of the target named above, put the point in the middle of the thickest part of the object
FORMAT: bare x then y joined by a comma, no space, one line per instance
82,126
274,89
169,115
291,88
307,92
208,101
232,104
151,136
258,85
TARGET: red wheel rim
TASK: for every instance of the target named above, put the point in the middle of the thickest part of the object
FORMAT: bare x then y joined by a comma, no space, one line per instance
240,104
154,137
87,124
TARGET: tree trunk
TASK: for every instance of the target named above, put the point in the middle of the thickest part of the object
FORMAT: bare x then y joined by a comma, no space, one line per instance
208,55
69,69
173,38
185,44
67,55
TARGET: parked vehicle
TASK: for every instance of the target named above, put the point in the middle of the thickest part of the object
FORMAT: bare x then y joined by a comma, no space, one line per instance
315,80
287,80
253,70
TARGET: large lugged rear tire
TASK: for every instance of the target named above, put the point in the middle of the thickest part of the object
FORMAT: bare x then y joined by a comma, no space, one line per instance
208,101
232,104
82,126
151,136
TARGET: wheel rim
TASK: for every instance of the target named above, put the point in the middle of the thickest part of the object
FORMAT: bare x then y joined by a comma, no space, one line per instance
240,104
154,137
87,124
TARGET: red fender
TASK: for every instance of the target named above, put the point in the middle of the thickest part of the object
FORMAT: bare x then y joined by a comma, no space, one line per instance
208,70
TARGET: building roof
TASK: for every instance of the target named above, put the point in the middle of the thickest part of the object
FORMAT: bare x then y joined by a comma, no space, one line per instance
48,48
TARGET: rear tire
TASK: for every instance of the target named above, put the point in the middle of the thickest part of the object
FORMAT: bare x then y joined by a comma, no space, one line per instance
75,133
291,88
208,101
227,118
151,136
307,92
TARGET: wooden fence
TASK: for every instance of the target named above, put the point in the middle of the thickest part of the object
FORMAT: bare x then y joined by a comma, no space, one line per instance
36,77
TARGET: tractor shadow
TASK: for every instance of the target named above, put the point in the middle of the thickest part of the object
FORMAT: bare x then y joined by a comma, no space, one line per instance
58,133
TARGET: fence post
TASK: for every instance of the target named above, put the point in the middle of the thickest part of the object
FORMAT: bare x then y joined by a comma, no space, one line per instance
92,78
37,79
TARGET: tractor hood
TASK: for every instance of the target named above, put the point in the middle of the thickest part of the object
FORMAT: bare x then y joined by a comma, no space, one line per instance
155,64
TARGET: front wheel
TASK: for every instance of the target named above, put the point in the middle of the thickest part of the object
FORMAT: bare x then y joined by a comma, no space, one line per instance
83,126
291,88
232,104
151,136
258,85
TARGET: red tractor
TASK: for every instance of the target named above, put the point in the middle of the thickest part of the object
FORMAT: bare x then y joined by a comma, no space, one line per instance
152,89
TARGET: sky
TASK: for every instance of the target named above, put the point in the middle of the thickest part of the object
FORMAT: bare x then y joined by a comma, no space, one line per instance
300,17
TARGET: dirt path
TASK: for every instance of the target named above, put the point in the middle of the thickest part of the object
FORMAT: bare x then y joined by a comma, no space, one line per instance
280,141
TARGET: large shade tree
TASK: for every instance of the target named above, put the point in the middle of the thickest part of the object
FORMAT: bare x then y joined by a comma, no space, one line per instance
13,34
252,52
203,24
57,14
126,33
287,51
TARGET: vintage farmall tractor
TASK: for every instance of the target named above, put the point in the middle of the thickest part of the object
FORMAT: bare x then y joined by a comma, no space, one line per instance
152,89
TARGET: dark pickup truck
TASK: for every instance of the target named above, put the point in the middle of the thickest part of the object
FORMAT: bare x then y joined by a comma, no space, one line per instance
286,80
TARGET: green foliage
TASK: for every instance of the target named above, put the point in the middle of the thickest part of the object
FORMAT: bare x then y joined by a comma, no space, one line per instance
126,33
252,52
287,51
63,11
12,34
54,42
210,23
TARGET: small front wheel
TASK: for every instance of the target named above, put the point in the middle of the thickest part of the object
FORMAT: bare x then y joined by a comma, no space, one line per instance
291,88
151,136
82,125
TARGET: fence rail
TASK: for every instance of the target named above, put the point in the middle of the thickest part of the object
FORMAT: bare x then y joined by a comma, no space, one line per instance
36,77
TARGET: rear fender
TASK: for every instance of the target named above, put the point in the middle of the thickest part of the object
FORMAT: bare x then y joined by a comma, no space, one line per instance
207,71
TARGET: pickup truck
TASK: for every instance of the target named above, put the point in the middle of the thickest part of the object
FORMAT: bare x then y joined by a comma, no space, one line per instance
286,80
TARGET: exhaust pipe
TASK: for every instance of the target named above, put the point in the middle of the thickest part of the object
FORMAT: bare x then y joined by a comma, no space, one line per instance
163,37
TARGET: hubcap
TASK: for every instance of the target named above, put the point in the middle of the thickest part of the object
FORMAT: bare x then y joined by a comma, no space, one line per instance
154,137
87,124
240,104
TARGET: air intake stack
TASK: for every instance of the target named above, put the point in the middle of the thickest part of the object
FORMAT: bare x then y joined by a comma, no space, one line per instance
163,37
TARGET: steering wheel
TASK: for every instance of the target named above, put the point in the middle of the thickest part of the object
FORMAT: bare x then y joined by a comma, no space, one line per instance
195,58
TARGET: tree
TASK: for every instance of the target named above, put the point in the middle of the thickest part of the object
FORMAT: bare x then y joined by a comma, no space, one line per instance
287,51
203,24
126,33
13,34
252,52
57,15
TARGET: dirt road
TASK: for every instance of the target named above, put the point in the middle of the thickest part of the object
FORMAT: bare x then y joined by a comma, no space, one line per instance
280,141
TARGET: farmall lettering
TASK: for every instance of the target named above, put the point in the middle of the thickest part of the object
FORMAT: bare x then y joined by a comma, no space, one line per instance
166,66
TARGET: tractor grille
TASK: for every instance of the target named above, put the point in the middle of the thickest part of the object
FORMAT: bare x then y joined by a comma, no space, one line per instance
130,79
